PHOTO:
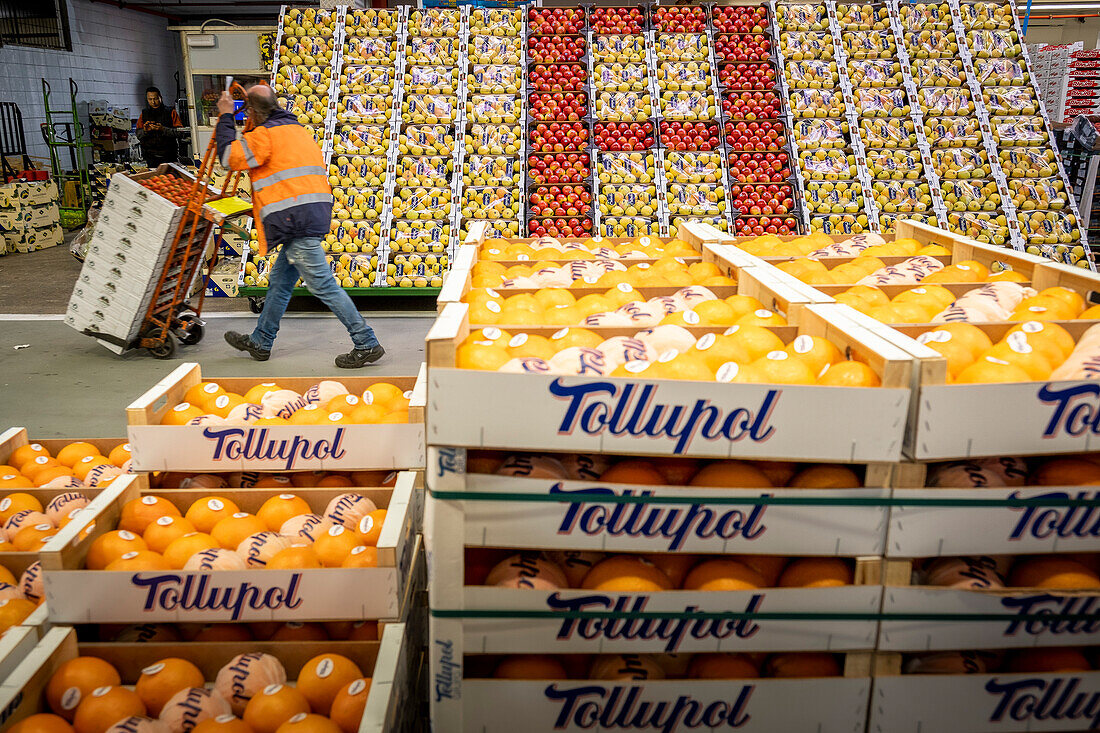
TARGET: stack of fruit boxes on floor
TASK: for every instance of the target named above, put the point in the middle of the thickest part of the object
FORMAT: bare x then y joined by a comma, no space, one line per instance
474,516
386,591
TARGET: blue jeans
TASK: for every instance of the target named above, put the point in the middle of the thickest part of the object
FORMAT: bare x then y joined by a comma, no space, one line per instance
303,257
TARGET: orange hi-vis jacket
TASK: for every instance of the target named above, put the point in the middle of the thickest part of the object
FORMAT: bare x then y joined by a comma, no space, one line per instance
291,196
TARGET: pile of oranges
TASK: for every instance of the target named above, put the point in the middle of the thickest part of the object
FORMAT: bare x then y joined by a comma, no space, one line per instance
326,403
26,525
931,302
213,534
278,481
1029,351
251,694
598,273
1069,571
743,353
549,248
866,266
678,471
1079,470
77,464
651,573
722,666
19,597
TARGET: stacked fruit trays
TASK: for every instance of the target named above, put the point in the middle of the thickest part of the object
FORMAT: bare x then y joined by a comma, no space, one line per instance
308,53
428,183
559,136
630,198
492,171
692,169
754,128
830,167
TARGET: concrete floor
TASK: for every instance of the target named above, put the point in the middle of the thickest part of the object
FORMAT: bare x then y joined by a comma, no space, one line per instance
65,385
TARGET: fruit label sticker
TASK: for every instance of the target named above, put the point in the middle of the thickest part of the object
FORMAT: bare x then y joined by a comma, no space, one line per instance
1001,702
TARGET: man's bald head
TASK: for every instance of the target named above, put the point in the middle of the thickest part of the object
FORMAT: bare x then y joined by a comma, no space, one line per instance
262,101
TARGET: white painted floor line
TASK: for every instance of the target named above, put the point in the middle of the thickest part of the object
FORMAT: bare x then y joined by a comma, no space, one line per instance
235,314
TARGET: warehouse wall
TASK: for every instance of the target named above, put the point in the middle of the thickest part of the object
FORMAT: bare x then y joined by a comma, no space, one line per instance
116,55
1085,30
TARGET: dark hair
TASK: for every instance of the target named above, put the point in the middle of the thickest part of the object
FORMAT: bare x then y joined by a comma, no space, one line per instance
153,89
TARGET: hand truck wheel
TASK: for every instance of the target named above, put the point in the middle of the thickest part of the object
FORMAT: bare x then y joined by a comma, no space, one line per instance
255,304
164,350
191,329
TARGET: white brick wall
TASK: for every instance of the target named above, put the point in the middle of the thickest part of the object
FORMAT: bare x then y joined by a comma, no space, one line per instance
116,55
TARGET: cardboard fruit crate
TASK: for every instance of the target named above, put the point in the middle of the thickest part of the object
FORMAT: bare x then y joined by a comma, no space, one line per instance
1012,605
77,595
1009,702
756,706
389,701
159,447
806,423
972,420
15,645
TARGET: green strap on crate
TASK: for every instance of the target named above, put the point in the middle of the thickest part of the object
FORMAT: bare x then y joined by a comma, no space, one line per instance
761,616
762,500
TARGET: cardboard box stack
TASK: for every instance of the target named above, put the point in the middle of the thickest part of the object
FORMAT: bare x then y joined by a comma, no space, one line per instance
110,131
1050,66
29,216
1083,97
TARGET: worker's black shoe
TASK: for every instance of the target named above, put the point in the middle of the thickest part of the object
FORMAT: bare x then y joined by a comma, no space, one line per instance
360,357
243,342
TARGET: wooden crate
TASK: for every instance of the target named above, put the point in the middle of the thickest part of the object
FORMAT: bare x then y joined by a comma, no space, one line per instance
159,447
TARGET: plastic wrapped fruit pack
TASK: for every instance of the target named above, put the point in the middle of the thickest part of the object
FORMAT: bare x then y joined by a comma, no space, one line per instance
802,16
628,200
490,203
497,108
817,103
938,73
426,140
875,73
370,50
625,135
497,22
952,132
696,199
717,222
411,236
752,105
937,101
704,136
800,45
618,20
556,20
748,75
839,224
422,203
1028,163
1048,227
1010,101
618,77
961,163
760,225
502,228
364,108
367,79
360,139
566,106
826,165
826,133
357,203
986,15
557,78
429,109
932,43
485,170
970,195
688,105
888,222
624,106
985,44
427,170
619,48
363,171
693,76
430,50
1000,72
863,17
308,51
626,167
811,74
740,19
311,21
693,167
1038,193
888,133
495,79
1019,131
740,48
313,80
868,44
902,196
371,22
895,164
758,168
762,199
435,22
555,49
882,102
919,17
486,49
839,197
364,236
682,47
494,139
431,79
560,201
984,227
628,226
682,19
